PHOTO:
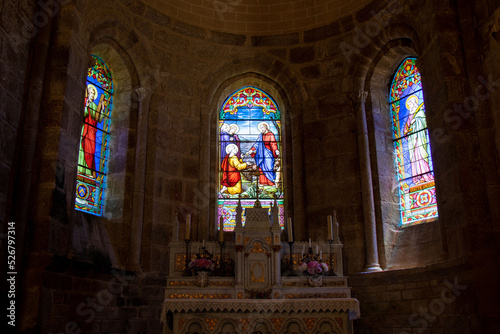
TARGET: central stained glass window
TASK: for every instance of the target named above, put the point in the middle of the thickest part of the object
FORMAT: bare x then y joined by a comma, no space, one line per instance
414,169
250,154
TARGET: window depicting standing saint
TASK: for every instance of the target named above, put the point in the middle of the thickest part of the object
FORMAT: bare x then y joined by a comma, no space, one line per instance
250,154
94,140
415,176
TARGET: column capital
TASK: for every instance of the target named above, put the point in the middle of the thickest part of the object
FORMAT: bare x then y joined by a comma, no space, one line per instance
362,95
142,93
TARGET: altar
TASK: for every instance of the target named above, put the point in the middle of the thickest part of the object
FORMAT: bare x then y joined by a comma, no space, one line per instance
253,285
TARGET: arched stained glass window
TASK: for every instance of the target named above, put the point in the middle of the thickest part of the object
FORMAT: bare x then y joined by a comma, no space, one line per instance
94,140
415,176
250,154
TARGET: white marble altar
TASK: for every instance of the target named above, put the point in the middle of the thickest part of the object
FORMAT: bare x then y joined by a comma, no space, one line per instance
257,292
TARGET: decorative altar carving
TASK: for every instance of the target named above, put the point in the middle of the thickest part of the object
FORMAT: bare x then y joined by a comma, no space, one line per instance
254,295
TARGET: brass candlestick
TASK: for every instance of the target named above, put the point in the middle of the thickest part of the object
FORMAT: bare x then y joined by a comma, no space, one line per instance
290,260
186,271
222,262
331,272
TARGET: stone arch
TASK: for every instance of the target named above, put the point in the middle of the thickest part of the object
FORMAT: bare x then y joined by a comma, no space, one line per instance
290,94
227,326
328,326
195,326
120,228
260,326
293,326
398,247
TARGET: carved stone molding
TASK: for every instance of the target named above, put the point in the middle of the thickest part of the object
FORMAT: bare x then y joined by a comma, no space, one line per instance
142,93
362,95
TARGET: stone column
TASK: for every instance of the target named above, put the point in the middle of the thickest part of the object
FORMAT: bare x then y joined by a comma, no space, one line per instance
134,259
372,263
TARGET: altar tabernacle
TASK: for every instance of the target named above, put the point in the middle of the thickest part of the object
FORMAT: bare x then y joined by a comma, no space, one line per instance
256,285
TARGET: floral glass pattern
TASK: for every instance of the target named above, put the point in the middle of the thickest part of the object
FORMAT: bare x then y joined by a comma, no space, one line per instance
94,140
250,154
414,168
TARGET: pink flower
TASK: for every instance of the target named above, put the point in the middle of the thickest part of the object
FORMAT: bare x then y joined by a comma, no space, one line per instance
314,267
202,264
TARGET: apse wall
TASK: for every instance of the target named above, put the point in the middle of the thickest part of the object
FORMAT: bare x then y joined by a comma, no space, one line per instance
174,75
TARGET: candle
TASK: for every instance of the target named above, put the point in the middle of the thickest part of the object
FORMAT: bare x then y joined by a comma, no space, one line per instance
303,249
317,249
203,243
310,243
221,230
290,232
188,226
320,254
330,227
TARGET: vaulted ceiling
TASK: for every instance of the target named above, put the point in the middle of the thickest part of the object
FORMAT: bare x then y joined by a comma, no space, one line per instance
264,17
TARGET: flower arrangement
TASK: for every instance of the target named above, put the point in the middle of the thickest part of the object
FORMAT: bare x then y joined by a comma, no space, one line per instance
202,264
313,268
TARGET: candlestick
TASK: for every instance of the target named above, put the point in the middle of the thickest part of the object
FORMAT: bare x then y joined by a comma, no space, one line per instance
331,272
186,271
289,228
222,261
330,227
290,260
176,226
221,230
188,226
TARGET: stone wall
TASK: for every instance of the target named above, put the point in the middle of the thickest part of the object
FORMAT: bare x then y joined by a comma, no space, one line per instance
76,298
171,77
15,43
435,299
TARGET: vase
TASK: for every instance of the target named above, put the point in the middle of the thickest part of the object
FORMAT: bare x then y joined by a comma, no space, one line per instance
202,277
316,280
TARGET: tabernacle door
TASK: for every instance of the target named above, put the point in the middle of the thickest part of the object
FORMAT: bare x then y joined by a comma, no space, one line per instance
258,265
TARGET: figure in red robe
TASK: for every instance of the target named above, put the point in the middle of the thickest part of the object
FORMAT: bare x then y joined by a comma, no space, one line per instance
265,151
93,114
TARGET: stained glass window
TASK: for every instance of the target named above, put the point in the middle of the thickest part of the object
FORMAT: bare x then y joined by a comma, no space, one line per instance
250,154
94,139
414,169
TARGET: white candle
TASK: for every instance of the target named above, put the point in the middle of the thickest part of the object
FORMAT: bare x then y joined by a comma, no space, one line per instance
203,243
290,231
310,243
320,254
317,249
303,250
330,227
188,226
